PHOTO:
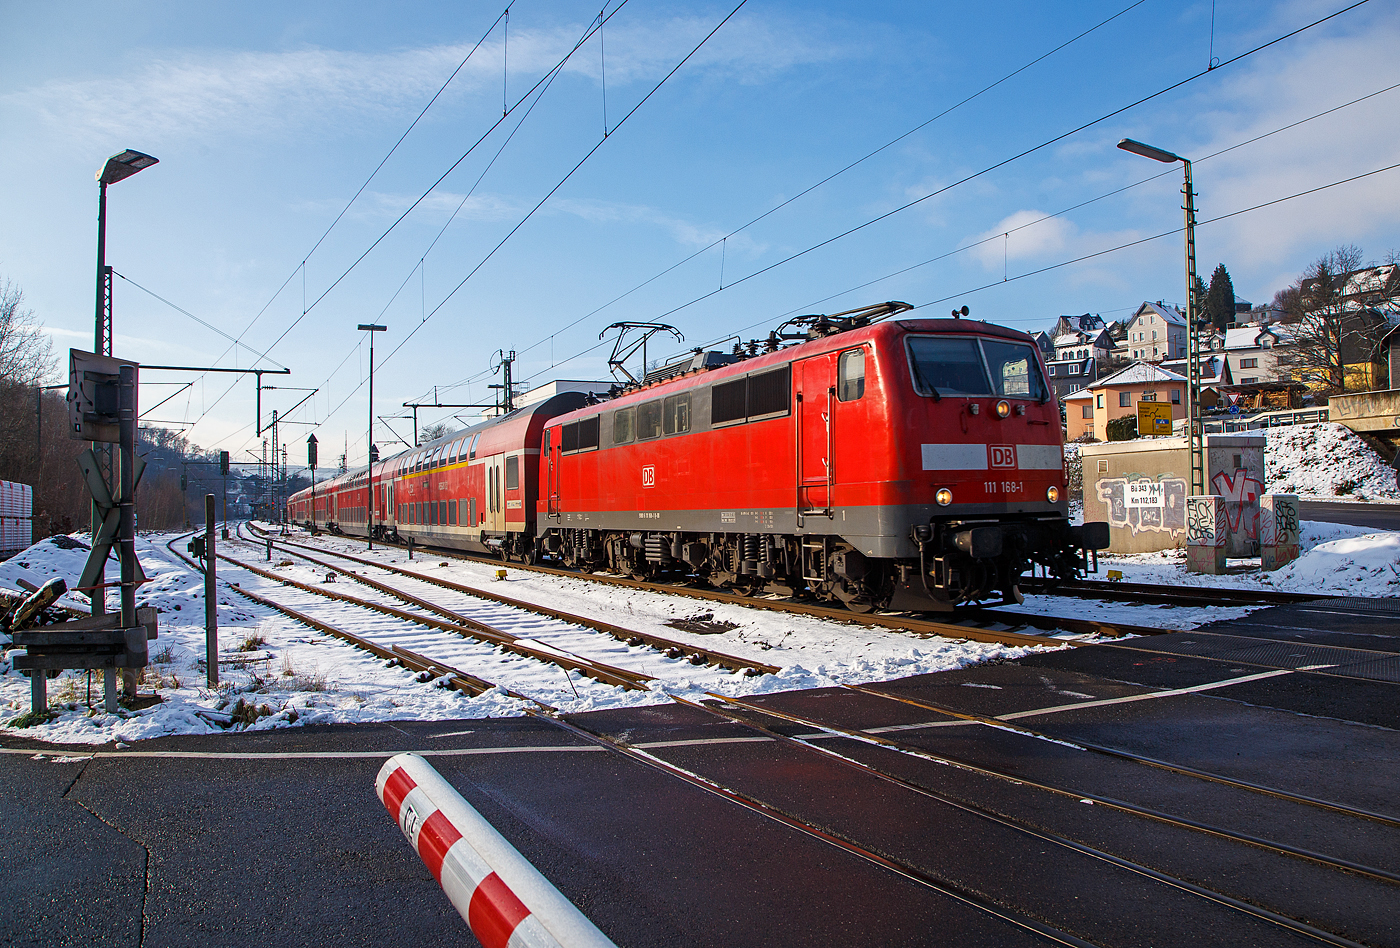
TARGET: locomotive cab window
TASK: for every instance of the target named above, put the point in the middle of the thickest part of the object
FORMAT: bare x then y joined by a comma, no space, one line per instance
676,412
1014,369
850,383
648,420
947,366
624,426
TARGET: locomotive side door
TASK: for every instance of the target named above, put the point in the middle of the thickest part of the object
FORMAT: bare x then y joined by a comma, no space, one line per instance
814,384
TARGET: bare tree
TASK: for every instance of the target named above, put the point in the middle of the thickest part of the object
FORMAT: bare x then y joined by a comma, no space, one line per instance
433,432
1334,327
26,352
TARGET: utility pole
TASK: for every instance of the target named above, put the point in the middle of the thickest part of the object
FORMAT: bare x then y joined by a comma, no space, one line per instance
211,596
371,328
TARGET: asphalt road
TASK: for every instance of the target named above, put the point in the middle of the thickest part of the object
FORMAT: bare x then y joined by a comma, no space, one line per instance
277,838
1380,516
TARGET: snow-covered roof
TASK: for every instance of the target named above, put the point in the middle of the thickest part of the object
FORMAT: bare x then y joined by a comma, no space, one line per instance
1249,337
1169,313
1214,369
1137,374
1082,395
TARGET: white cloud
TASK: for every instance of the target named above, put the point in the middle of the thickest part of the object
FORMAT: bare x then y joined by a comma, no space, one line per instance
1019,237
1279,90
685,233
192,95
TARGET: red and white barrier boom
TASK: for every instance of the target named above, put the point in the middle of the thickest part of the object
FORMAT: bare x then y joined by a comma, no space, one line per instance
504,899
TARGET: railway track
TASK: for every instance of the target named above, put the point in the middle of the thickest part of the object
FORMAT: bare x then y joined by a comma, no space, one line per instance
903,867
1109,635
980,625
1148,594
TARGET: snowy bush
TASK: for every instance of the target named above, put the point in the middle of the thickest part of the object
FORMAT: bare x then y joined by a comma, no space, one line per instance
1325,460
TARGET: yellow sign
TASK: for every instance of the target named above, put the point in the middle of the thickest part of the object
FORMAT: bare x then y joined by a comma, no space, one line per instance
1154,418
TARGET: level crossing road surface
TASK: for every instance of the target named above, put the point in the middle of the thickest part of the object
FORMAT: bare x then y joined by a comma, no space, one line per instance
1380,516
276,838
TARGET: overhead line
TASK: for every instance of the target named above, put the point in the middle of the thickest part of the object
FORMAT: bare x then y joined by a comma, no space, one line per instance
830,177
375,172
1166,233
552,191
421,198
558,66
1006,161
206,325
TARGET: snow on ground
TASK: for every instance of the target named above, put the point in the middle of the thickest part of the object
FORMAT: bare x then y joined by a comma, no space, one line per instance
1325,461
1336,559
275,672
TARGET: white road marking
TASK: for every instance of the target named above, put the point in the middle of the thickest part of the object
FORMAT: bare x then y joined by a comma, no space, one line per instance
1144,697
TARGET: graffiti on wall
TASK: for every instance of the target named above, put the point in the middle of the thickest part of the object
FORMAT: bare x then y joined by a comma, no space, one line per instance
1205,521
1241,496
1168,516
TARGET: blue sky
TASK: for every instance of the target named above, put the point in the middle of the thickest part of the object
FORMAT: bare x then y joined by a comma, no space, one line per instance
268,118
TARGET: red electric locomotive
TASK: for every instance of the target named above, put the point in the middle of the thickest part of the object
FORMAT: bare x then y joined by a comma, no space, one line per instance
906,464
900,464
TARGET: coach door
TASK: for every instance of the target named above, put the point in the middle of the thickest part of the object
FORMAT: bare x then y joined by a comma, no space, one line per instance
814,383
495,500
552,449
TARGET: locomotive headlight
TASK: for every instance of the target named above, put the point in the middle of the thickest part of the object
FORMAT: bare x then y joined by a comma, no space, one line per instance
944,497
1052,493
1003,408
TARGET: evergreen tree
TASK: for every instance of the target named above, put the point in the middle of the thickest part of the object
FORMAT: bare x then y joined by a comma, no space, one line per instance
1200,300
1220,298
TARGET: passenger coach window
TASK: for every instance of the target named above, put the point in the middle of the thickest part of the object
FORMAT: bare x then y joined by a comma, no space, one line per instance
648,421
676,410
624,426
471,453
851,383
512,473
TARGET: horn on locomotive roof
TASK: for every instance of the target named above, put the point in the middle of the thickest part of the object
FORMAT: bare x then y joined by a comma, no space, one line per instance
960,313
819,325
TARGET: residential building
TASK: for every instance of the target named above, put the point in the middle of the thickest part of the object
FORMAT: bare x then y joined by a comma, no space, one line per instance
1156,331
1249,350
1077,351
1090,411
1216,376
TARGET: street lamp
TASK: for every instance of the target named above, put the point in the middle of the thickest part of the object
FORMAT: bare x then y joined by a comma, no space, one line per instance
1193,345
118,168
371,328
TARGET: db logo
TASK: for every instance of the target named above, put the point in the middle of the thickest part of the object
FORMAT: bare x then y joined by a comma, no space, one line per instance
1003,455
648,476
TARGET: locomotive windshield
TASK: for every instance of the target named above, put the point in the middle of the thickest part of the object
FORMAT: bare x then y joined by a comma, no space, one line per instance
944,365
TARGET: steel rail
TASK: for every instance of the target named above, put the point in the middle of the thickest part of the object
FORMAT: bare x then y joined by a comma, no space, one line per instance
470,628
918,626
1148,593
1136,758
1332,862
907,871
460,680
672,648
473,685
1210,895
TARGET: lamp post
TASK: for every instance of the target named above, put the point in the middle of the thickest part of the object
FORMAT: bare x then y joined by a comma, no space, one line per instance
118,168
1193,344
371,328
